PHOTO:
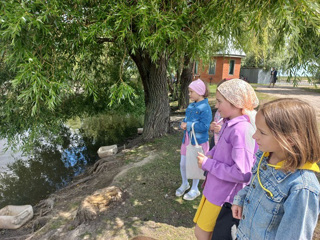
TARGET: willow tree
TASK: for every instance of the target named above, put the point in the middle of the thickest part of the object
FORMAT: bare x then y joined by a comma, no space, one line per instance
47,45
285,36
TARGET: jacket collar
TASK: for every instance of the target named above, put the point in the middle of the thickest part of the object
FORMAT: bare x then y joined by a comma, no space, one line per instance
307,166
198,103
280,175
233,121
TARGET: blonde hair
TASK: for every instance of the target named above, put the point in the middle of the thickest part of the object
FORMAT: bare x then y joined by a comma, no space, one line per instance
293,124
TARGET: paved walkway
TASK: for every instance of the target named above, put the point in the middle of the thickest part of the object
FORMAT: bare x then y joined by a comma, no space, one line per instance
281,91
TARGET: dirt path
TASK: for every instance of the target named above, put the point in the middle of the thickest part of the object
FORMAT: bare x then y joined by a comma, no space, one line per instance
286,91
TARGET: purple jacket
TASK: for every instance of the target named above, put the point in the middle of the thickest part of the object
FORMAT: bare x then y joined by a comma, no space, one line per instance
229,169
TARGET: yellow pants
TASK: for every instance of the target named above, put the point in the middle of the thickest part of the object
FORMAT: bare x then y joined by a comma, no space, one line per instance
206,215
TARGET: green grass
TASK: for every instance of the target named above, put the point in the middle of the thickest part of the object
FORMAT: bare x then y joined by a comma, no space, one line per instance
57,223
159,180
74,123
151,189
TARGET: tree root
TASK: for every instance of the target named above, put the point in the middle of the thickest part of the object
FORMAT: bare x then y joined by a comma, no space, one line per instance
96,203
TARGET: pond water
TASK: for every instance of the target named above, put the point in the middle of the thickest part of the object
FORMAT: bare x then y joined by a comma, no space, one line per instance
28,179
53,164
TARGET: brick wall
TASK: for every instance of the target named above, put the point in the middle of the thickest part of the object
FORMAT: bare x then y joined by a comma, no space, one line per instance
222,70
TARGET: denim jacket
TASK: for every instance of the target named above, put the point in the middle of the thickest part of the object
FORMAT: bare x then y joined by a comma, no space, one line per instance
201,114
290,213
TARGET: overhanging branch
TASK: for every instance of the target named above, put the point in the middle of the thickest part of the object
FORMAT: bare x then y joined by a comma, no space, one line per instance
103,40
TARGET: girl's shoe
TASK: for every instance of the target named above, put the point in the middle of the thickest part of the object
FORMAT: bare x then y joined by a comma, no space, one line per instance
182,189
191,195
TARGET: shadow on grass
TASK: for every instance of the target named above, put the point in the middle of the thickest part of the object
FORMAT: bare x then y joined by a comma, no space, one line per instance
151,203
152,187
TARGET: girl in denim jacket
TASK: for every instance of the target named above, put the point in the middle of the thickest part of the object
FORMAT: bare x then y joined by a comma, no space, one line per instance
198,112
282,200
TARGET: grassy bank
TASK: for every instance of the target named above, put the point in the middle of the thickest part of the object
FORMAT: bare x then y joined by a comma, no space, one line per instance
153,209
150,176
150,207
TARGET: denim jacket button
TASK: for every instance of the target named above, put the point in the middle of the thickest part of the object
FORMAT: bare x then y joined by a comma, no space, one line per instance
269,195
248,201
253,185
264,167
243,216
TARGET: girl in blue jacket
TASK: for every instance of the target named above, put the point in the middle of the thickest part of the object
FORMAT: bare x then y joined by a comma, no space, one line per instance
198,112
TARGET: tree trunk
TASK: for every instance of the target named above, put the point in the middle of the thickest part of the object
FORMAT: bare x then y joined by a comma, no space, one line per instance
153,75
185,80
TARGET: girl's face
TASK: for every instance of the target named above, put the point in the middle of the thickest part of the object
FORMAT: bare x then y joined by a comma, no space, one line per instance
264,138
225,108
194,96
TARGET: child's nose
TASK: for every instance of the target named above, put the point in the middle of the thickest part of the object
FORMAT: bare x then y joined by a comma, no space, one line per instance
254,136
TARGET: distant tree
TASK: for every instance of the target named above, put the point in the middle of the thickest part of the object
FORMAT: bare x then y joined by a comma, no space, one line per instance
288,41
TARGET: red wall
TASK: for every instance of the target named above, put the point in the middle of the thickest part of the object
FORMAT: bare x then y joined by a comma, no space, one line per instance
222,70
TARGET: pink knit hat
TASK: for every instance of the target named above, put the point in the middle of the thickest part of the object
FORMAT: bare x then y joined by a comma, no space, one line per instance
198,86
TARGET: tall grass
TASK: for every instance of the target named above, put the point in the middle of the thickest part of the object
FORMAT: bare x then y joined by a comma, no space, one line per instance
111,128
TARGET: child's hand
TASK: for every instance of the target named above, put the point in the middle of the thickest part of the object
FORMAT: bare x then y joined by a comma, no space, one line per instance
200,159
183,125
236,211
215,127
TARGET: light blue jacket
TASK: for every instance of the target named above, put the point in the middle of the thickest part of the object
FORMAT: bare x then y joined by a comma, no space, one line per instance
291,213
201,114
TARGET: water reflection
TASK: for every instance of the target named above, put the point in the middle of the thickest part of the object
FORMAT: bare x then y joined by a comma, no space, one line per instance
7,157
50,167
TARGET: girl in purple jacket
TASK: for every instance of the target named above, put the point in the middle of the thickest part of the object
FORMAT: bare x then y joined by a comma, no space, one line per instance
228,163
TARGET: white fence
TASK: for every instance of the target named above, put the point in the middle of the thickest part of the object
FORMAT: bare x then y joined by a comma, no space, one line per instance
256,75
